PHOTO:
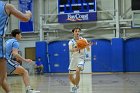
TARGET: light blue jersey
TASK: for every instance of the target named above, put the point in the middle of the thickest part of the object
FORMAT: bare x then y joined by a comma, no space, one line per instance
3,25
3,19
10,45
11,64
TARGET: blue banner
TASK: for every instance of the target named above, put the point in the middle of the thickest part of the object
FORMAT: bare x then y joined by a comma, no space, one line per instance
25,5
76,11
77,17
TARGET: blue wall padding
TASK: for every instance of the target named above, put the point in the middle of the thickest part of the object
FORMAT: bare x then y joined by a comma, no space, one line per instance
41,51
101,56
117,55
58,56
132,55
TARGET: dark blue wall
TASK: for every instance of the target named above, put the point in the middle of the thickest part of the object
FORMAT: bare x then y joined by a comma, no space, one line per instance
41,51
58,56
101,56
117,55
132,55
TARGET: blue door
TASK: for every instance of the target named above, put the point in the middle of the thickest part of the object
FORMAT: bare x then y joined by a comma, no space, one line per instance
132,55
41,51
101,56
58,56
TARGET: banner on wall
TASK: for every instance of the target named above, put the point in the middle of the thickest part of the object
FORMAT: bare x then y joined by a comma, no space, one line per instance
25,5
76,11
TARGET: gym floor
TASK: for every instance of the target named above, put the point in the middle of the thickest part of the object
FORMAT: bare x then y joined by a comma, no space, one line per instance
90,83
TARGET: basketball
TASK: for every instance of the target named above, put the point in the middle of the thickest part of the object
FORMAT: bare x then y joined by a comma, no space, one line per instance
81,43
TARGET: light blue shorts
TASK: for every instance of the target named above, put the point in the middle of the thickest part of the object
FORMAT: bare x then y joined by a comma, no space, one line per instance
11,66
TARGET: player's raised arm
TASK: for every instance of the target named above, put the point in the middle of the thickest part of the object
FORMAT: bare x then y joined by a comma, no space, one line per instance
10,9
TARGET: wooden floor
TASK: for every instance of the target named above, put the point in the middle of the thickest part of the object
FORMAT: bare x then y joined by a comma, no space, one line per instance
90,83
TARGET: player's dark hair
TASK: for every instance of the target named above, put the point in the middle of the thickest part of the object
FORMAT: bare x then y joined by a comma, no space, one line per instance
15,31
75,29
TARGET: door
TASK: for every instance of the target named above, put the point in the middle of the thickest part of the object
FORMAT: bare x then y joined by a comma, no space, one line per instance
58,56
101,56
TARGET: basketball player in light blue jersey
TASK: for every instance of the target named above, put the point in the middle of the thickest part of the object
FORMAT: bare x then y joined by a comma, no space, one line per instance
5,11
12,48
77,59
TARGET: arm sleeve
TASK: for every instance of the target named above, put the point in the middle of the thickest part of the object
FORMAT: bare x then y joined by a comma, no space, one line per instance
70,43
15,45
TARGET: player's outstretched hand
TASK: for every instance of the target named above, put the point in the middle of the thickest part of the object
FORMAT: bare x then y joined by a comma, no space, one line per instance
28,12
90,43
28,60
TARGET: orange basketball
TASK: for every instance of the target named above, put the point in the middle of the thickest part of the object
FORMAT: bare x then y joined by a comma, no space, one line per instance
81,43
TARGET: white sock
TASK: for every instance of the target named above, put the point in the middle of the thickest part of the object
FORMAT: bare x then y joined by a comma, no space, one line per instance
28,87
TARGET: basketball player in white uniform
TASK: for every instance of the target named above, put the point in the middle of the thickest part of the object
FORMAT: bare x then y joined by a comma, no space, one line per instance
77,59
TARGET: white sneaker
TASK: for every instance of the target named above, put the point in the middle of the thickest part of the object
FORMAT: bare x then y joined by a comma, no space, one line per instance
74,89
77,86
32,91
